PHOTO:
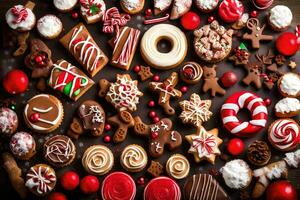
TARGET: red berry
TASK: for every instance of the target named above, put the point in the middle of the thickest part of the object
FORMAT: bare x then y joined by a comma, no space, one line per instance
74,15
69,180
287,44
229,79
57,196
184,89
15,82
89,184
148,12
211,19
253,13
38,59
34,117
151,103
235,146
190,21
155,119
281,190
141,181
107,127
268,101
154,135
107,139
152,114
43,57
137,68
156,78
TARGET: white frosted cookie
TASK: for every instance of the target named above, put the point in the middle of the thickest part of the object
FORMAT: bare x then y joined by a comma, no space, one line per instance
132,6
157,59
287,107
64,5
180,7
280,18
206,5
49,26
289,85
92,11
161,6
20,18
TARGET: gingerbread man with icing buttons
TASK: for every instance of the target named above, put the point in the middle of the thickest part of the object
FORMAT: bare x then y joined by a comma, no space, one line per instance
160,135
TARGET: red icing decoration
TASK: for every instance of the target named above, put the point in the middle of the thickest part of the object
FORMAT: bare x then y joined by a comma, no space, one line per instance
229,79
69,180
262,4
281,190
118,185
235,146
190,21
89,184
231,10
162,188
57,196
287,44
15,82
20,14
34,117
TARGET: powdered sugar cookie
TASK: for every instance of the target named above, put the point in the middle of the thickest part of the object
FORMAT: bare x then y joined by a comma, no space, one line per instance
20,18
49,26
132,6
92,10
289,85
161,6
280,18
180,7
64,5
287,107
206,5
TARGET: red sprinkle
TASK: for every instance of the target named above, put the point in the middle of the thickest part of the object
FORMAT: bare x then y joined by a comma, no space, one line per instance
137,68
184,89
74,15
107,139
151,103
156,78
107,127
152,114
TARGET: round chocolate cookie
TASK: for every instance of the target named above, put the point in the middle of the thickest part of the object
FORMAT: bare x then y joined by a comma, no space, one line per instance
43,113
59,150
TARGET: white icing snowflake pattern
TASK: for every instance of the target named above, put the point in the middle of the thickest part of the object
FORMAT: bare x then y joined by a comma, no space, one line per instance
195,111
97,114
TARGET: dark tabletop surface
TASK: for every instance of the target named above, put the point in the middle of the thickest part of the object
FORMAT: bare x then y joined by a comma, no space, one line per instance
7,62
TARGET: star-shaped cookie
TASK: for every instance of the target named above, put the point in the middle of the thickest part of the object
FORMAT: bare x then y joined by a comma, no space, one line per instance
204,144
195,111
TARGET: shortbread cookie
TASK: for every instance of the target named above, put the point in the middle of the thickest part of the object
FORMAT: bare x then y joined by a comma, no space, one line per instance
43,113
132,6
180,7
69,80
49,26
178,166
92,10
134,158
82,46
280,18
64,5
289,85
287,107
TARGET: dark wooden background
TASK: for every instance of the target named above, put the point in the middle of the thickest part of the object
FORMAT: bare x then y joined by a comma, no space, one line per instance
44,7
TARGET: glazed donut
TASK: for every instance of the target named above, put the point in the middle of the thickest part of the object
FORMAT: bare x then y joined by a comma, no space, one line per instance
159,60
254,104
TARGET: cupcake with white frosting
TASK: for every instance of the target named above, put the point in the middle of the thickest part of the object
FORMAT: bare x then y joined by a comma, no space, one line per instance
289,85
49,26
206,5
280,18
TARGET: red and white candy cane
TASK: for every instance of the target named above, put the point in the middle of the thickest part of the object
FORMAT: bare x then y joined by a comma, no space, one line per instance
254,104
20,14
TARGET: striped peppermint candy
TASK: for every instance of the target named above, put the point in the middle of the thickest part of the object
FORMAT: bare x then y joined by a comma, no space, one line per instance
254,104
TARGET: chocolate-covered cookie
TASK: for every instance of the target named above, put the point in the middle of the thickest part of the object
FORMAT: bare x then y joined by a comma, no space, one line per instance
43,113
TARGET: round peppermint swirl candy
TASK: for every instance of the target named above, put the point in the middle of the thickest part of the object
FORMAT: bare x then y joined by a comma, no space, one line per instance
284,134
178,166
98,160
134,158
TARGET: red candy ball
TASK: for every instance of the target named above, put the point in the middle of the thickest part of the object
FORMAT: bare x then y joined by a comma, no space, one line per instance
190,21
287,44
155,119
152,114
34,117
148,12
38,59
229,79
268,101
253,13
210,19
107,139
107,127
154,135
69,180
141,181
235,146
137,68
281,190
57,196
151,103
156,78
15,82
184,89
74,15
89,184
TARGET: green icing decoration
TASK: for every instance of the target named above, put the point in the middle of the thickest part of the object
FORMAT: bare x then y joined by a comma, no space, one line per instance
67,88
76,92
243,47
83,81
94,9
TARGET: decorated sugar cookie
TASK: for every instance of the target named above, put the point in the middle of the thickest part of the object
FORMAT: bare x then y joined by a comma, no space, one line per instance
49,26
92,10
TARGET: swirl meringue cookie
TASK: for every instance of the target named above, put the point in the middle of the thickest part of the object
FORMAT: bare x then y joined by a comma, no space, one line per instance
49,26
134,158
178,166
284,134
280,18
97,160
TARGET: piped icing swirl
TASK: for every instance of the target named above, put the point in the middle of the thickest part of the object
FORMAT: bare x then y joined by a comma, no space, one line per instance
134,158
98,160
178,166
284,134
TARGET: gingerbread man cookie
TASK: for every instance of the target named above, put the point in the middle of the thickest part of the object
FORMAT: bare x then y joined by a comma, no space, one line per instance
159,134
211,81
166,90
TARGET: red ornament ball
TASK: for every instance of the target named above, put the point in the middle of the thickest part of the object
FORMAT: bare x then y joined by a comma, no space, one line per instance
69,180
156,78
281,190
229,79
89,184
107,127
235,146
34,117
155,119
137,68
287,44
148,12
15,82
152,114
268,101
57,196
184,89
107,139
74,15
190,21
151,103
